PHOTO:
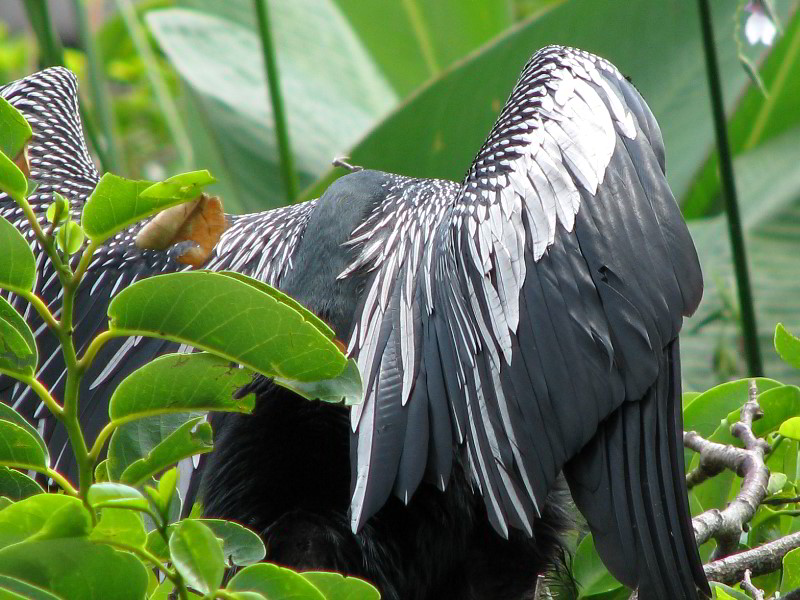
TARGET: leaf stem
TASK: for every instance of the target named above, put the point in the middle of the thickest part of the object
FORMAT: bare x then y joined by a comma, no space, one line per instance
99,96
100,440
45,396
94,347
748,317
276,98
159,86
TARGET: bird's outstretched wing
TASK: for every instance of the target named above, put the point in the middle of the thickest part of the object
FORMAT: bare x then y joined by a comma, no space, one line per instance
531,319
260,245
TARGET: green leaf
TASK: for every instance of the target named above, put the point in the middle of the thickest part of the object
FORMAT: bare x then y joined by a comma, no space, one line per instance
776,483
332,90
12,179
101,471
17,263
790,428
274,582
71,520
193,437
58,211
70,237
120,525
23,519
440,129
589,571
16,485
724,592
116,495
185,186
18,448
18,354
117,203
180,383
76,568
787,346
791,571
14,130
778,404
9,414
24,589
425,36
240,546
197,555
334,586
165,494
346,388
261,334
135,440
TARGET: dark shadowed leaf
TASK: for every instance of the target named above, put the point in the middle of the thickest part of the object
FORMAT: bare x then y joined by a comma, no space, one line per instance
16,485
194,308
9,414
24,589
19,448
197,555
18,354
590,573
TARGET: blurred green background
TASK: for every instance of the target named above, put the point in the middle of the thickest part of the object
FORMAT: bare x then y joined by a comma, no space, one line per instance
413,86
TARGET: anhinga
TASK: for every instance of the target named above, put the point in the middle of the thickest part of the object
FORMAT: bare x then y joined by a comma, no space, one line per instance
509,328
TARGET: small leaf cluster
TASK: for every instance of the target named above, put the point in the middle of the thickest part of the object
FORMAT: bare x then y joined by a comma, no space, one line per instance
711,414
118,532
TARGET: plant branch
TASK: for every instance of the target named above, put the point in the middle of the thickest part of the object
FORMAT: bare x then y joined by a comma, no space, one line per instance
748,316
276,98
726,525
761,560
45,396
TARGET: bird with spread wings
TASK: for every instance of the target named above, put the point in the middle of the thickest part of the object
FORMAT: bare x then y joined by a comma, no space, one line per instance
511,328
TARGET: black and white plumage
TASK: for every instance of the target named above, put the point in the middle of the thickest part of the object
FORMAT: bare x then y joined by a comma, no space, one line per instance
510,328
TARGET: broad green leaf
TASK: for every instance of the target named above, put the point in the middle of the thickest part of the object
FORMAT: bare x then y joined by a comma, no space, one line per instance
260,333
164,496
776,483
117,203
589,572
25,518
791,571
778,404
70,237
191,438
345,388
18,355
101,471
334,586
332,90
769,192
24,589
724,592
416,41
790,428
58,211
135,440
9,414
18,448
14,130
179,187
274,582
17,264
12,179
181,383
116,495
16,485
787,346
439,130
120,525
757,117
240,546
309,316
197,555
76,568
69,521
163,591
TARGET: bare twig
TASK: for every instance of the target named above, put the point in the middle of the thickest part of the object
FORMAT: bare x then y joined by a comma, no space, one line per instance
761,560
747,586
726,526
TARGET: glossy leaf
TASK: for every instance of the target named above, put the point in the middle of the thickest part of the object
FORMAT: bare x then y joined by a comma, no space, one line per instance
274,582
17,264
76,568
179,187
240,546
120,525
116,495
70,237
790,428
25,518
14,130
180,383
9,414
18,354
58,211
19,448
335,586
332,90
194,308
197,555
787,346
191,438
12,179
71,520
16,485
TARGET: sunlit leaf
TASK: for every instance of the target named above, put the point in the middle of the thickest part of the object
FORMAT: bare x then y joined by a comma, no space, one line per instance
790,428
14,130
274,582
178,187
116,495
335,586
70,237
25,518
18,353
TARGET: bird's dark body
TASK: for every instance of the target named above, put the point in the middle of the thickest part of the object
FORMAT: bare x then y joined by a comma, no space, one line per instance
285,473
508,329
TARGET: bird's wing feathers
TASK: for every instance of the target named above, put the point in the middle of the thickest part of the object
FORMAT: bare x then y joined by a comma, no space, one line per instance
550,294
60,162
